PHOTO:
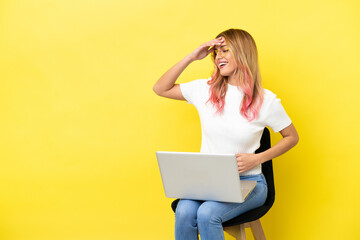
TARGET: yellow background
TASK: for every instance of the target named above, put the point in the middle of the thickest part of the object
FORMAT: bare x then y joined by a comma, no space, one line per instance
80,124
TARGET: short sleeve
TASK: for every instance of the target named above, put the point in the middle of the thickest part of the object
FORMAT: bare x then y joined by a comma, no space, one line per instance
275,115
190,90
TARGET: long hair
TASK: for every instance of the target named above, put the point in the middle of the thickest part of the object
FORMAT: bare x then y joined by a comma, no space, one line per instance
243,48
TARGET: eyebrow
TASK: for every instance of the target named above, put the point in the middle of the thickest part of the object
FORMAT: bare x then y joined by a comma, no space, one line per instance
221,46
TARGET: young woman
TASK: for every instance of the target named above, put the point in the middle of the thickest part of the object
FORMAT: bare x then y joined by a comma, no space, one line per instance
234,110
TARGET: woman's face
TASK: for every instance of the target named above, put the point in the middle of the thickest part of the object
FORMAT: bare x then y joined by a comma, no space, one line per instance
224,60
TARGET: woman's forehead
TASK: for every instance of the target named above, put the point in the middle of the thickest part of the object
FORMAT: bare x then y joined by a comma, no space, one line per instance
222,46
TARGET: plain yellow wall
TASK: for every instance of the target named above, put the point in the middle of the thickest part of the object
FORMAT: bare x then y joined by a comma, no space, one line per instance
80,124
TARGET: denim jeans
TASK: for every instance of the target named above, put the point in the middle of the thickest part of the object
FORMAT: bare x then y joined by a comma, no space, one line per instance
208,216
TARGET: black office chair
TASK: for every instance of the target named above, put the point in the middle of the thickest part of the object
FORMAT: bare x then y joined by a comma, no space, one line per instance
251,218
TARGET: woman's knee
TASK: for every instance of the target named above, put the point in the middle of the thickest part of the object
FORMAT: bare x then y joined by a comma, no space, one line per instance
207,215
186,211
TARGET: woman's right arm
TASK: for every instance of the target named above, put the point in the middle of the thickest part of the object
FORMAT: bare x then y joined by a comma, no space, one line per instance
166,86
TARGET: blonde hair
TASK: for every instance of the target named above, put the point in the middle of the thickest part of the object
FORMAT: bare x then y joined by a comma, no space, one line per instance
243,48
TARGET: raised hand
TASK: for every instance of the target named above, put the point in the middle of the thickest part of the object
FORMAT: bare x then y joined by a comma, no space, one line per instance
206,48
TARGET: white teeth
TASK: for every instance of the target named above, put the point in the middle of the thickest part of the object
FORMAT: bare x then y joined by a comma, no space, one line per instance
222,64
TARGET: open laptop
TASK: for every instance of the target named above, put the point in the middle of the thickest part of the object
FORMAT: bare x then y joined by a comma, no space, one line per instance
202,176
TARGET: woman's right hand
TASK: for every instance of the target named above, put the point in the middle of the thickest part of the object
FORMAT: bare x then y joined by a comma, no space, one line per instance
166,86
204,49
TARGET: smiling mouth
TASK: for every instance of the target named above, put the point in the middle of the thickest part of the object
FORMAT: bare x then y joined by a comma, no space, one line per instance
222,65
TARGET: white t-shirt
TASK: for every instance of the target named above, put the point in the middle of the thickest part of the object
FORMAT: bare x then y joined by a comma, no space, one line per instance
230,132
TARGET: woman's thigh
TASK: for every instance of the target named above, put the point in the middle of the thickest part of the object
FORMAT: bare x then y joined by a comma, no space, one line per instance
223,211
187,209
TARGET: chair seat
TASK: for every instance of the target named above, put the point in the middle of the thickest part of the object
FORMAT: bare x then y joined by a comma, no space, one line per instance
249,216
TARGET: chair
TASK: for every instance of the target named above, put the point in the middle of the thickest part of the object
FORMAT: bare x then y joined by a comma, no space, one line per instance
236,226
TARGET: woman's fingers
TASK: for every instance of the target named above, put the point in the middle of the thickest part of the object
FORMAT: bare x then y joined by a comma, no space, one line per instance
214,42
206,48
217,41
210,46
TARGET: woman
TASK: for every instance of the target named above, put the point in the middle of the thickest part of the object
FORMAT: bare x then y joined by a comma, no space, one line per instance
233,109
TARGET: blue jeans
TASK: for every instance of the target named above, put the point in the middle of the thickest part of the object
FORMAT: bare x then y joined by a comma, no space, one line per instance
208,216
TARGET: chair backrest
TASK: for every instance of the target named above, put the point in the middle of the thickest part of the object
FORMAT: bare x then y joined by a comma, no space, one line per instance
267,167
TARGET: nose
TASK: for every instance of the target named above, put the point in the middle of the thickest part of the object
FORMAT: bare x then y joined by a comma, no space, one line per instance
217,56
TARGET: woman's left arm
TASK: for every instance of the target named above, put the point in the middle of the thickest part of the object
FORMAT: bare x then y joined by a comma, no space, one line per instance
289,140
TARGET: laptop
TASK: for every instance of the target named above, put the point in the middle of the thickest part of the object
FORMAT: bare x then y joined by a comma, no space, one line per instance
202,176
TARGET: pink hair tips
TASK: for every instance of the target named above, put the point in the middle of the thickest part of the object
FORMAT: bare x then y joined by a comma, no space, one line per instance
249,108
215,93
248,88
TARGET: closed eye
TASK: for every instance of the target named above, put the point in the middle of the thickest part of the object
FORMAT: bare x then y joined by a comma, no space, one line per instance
223,51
